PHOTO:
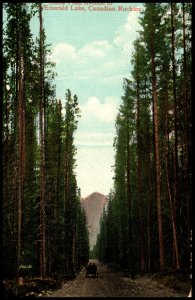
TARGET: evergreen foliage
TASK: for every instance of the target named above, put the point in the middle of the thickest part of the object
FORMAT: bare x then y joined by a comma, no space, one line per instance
41,203
147,225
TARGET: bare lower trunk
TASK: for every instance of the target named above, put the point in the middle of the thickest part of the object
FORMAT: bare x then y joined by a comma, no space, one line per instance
139,181
175,185
157,158
21,158
186,130
131,259
42,157
148,200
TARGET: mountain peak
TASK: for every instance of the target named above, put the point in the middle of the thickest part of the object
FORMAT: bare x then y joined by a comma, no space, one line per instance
93,206
94,194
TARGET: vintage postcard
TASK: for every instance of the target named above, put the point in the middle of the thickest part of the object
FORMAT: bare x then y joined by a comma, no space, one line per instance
97,149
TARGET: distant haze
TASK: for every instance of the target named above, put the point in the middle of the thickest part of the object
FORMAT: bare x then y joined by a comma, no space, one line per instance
93,206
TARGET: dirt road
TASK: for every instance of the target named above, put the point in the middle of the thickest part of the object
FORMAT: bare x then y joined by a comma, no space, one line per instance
112,284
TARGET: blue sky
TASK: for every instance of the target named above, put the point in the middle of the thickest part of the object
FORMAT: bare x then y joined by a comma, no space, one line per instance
92,50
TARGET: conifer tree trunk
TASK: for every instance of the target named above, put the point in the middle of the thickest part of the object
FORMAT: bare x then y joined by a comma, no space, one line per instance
175,187
42,156
59,158
149,209
21,149
166,155
157,158
186,130
149,185
139,179
67,197
67,206
131,259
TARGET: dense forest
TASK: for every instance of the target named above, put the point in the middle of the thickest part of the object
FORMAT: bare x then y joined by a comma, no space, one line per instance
147,225
44,227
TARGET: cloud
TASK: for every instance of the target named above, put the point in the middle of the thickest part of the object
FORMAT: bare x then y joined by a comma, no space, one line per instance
94,138
63,51
67,52
95,49
127,33
105,111
94,172
100,62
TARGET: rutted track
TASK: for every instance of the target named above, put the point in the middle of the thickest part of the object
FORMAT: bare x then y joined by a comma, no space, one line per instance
112,284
